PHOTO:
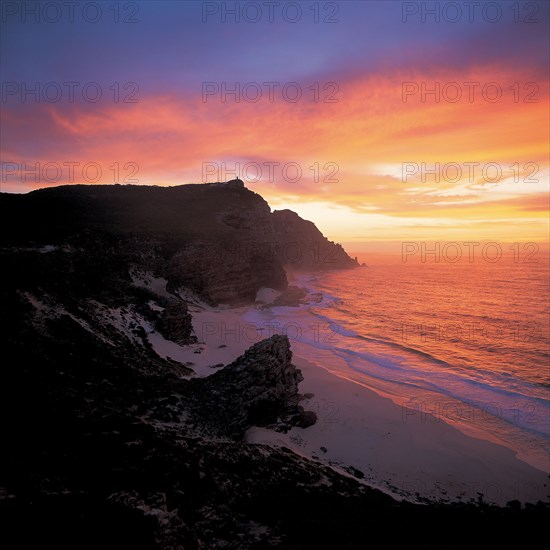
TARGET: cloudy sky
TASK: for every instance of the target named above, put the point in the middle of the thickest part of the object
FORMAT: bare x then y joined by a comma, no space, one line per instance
376,120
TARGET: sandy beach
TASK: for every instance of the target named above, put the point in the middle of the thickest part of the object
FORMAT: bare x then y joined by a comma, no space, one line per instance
407,454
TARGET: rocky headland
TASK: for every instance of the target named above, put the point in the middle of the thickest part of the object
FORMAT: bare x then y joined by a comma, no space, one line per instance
106,444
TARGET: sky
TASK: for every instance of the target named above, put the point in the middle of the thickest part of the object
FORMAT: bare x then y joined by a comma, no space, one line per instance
377,120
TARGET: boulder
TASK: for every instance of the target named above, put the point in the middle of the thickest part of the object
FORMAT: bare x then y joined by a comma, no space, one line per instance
259,388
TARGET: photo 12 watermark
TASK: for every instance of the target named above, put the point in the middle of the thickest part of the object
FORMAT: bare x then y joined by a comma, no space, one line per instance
474,332
270,172
287,253
480,413
271,12
51,12
222,333
471,92
471,12
452,252
479,493
69,172
70,92
327,412
472,172
269,92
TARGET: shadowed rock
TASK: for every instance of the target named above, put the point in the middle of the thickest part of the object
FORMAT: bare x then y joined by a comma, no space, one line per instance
176,324
219,240
258,389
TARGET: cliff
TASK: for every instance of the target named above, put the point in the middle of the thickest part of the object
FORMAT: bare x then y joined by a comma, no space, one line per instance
301,246
219,240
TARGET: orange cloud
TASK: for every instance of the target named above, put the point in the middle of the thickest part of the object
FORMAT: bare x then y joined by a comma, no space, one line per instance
351,153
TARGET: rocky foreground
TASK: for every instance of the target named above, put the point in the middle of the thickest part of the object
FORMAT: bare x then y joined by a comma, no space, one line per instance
107,445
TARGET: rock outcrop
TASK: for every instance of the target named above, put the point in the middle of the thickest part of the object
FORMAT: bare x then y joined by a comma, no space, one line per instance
301,246
230,274
259,388
176,324
293,296
219,240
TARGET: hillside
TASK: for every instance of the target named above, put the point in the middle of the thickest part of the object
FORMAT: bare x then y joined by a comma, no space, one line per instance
220,239
107,444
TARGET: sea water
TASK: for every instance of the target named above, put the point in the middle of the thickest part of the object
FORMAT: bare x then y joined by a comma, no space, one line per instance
465,343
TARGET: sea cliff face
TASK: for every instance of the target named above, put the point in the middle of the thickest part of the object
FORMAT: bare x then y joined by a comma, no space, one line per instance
219,240
301,246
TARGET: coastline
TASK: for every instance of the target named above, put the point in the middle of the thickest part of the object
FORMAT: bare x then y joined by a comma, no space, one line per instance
410,455
414,457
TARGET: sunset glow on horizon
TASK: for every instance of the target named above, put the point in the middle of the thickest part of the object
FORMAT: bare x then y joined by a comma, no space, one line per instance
413,137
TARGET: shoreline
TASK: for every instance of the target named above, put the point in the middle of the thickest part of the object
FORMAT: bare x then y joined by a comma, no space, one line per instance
411,456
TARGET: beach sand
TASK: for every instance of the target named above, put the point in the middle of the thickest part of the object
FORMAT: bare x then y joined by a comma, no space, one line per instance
361,433
412,456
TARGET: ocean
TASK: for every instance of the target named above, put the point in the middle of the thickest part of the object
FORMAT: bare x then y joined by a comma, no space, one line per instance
465,343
